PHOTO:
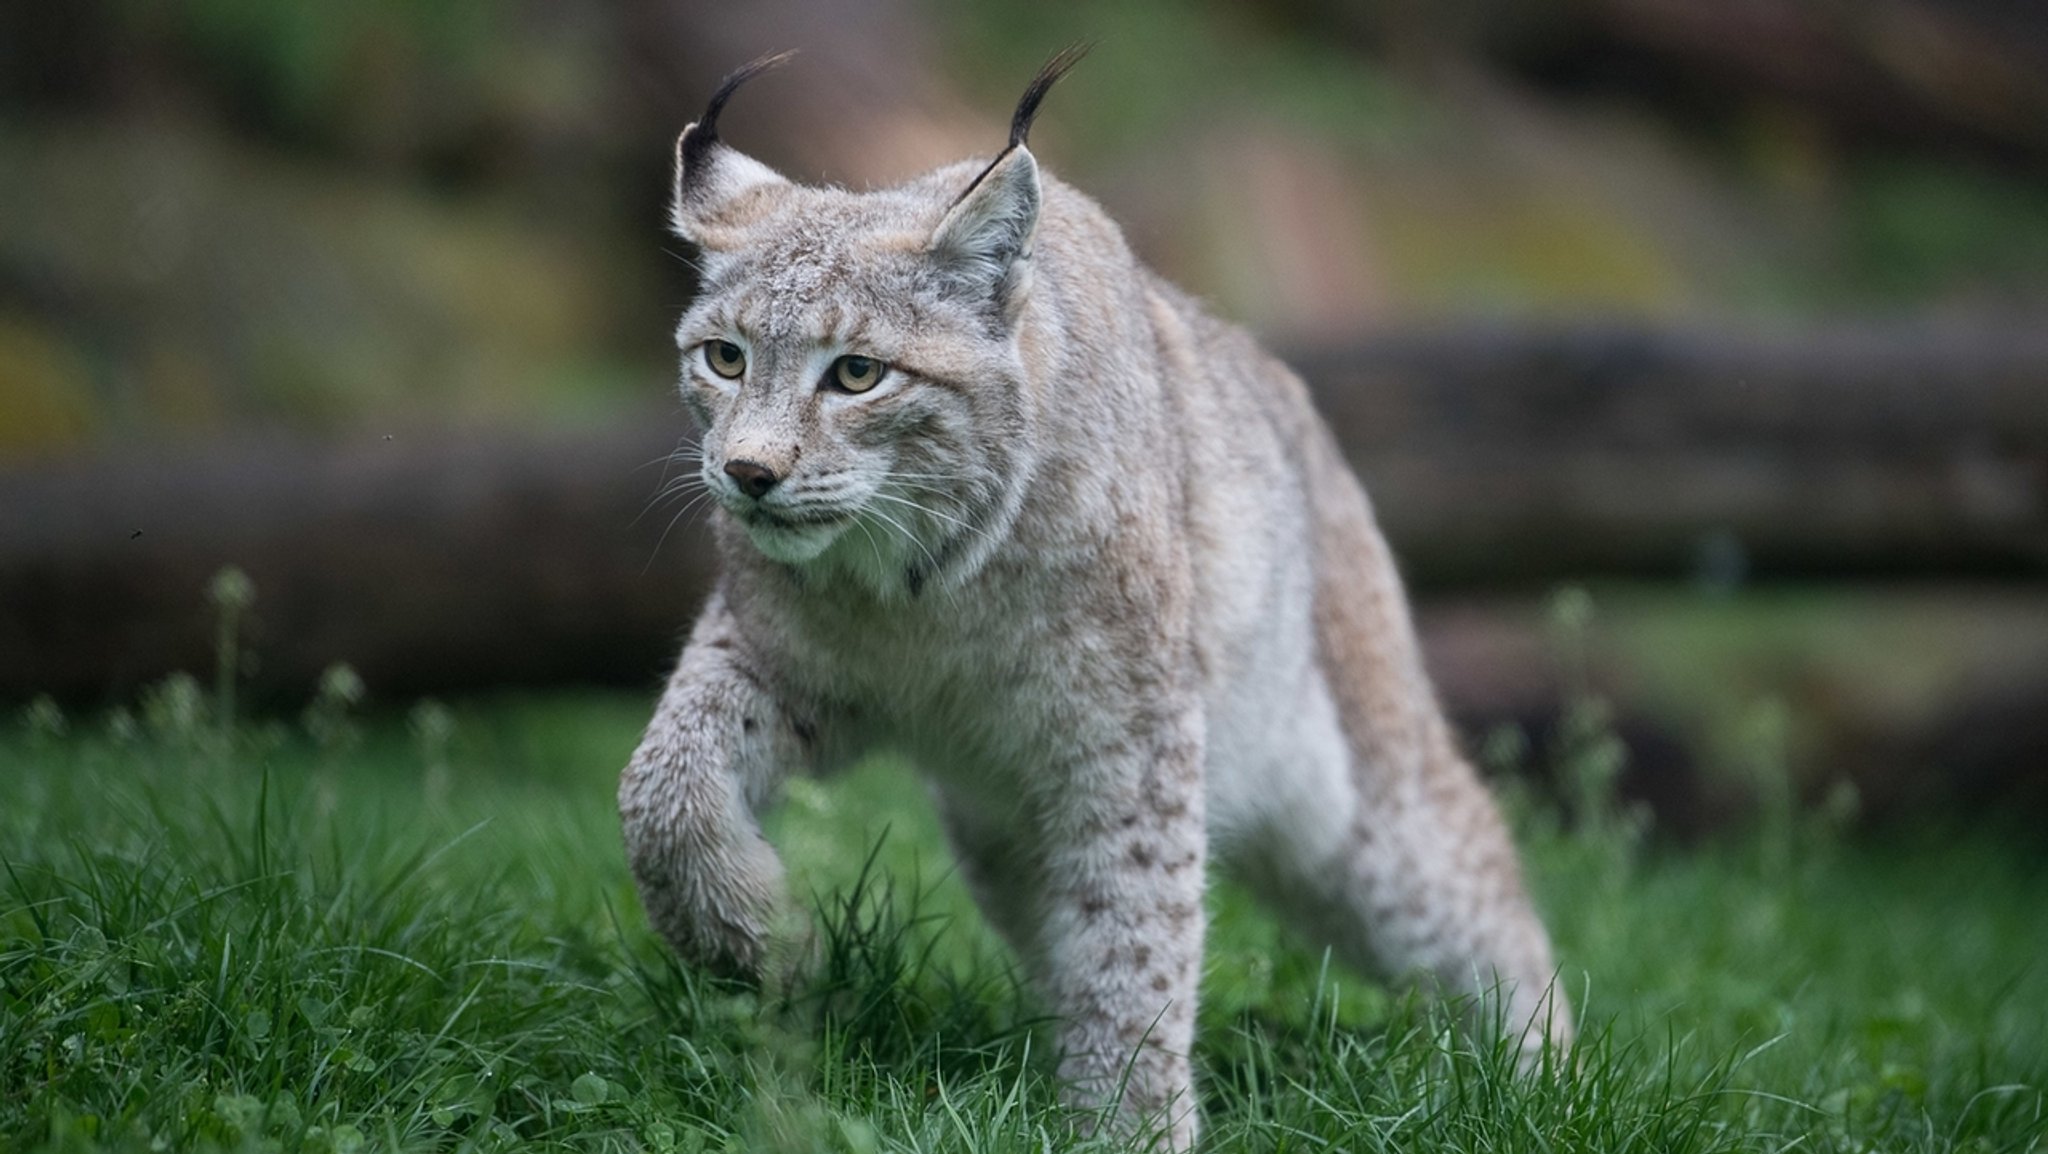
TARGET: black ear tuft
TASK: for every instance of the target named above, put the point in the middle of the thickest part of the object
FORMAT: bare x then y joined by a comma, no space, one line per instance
698,140
1027,108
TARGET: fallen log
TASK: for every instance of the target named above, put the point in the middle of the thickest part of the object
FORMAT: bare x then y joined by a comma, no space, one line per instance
1505,456
428,562
436,560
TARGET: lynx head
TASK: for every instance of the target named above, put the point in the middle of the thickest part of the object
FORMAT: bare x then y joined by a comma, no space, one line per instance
851,357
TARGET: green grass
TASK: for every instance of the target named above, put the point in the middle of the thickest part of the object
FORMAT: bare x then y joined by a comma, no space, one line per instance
421,934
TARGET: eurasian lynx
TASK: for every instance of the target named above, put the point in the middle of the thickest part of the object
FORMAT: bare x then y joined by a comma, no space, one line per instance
998,498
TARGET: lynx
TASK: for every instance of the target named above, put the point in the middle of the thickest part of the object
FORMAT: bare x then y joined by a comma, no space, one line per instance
994,496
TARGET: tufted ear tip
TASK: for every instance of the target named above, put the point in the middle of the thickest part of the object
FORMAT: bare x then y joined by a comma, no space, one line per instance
983,244
705,128
1034,93
709,172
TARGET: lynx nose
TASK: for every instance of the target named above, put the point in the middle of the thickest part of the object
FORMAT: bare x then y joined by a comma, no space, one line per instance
755,478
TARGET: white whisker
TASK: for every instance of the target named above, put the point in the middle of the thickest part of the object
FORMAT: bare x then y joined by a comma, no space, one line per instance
667,460
908,535
669,491
680,514
874,546
964,526
929,512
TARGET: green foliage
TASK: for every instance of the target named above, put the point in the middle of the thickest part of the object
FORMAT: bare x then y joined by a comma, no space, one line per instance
1589,754
234,937
232,593
329,720
1912,228
302,66
1198,64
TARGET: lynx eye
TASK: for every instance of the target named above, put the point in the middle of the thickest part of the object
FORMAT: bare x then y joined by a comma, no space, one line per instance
857,374
726,359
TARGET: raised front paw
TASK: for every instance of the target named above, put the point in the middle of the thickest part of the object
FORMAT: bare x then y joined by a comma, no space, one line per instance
715,905
711,884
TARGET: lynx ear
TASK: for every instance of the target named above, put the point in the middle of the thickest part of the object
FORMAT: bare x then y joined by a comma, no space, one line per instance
710,174
983,246
984,243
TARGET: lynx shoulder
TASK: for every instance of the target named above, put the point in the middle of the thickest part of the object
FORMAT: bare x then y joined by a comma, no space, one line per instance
994,496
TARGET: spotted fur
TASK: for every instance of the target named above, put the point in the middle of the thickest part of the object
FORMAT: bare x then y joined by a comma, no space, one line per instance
1090,560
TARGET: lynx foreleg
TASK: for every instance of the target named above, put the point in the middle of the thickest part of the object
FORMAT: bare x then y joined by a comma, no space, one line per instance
1121,944
717,748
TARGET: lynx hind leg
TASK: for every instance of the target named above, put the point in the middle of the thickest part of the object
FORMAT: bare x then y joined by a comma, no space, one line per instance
1420,883
1423,879
1437,891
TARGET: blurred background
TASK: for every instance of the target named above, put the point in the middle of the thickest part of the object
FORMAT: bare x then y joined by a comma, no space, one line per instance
1696,354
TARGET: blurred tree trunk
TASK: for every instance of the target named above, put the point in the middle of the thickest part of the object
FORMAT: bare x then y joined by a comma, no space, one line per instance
1515,456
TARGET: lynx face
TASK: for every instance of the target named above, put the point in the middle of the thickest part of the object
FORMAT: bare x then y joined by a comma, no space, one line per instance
852,363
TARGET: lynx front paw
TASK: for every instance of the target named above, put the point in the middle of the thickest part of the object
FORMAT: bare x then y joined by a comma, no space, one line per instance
716,906
711,885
